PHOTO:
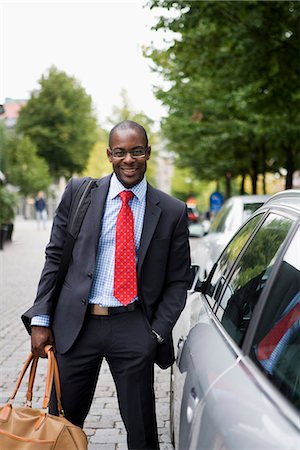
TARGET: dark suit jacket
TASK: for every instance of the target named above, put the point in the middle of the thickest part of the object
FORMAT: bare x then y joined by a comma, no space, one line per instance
163,265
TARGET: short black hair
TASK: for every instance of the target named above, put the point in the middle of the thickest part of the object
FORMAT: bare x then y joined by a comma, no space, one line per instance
128,125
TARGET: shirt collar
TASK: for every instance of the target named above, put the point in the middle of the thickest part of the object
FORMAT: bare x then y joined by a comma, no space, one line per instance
116,187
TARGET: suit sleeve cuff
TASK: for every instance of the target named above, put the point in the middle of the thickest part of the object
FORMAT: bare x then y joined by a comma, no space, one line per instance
159,338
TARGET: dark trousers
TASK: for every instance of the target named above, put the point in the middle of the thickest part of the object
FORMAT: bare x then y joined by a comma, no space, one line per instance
125,340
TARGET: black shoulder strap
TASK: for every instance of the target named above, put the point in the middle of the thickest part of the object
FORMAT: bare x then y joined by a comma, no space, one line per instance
78,209
79,206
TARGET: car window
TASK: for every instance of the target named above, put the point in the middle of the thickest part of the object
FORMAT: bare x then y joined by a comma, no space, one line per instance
249,208
221,220
250,275
276,346
227,260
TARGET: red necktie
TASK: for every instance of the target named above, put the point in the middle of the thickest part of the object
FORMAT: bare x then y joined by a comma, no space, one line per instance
269,342
125,284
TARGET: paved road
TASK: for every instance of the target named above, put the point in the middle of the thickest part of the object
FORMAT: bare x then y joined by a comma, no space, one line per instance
20,267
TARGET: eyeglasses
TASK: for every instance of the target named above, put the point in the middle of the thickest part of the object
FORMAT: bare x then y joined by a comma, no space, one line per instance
136,153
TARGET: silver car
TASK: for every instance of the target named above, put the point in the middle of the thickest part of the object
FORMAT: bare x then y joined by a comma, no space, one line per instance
231,216
236,380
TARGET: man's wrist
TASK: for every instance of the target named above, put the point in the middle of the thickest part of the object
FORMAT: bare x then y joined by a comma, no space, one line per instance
159,338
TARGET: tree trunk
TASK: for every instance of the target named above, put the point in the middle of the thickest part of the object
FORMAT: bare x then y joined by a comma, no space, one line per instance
254,176
264,183
242,188
289,165
228,185
24,208
263,165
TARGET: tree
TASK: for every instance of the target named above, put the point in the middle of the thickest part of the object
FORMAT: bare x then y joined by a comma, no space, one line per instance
233,68
59,120
98,164
25,168
6,135
3,140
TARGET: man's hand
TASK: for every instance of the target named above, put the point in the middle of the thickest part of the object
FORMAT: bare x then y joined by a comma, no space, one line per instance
40,336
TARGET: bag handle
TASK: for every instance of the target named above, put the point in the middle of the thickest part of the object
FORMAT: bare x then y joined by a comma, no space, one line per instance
21,376
31,381
52,373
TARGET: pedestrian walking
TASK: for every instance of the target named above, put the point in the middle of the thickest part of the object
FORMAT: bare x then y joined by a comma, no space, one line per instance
124,290
40,210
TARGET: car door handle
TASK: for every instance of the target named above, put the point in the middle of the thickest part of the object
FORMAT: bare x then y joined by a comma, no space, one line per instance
180,343
191,408
194,396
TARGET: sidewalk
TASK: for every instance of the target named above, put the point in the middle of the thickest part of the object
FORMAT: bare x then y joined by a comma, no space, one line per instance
20,267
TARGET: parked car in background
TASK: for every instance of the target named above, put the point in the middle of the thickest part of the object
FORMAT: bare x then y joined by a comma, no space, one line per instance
193,214
236,381
233,213
196,230
201,227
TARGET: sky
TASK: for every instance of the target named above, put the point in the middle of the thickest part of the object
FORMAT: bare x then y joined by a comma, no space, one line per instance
98,42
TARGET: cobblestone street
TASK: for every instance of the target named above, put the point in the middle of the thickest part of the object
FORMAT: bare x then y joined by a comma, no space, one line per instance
20,267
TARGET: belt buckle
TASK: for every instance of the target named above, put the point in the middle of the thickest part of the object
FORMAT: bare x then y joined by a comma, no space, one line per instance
98,310
105,311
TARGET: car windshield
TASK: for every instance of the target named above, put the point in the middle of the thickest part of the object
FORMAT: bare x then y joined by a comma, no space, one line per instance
249,208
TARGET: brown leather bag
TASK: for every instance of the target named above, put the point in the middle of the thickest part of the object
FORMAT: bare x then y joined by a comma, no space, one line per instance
25,428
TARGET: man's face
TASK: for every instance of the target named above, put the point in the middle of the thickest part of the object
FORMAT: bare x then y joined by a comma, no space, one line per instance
129,171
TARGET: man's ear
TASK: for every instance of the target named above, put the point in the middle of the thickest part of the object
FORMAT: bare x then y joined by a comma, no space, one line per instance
148,152
109,154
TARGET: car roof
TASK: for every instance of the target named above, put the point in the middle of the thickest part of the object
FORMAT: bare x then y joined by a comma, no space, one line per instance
289,198
249,198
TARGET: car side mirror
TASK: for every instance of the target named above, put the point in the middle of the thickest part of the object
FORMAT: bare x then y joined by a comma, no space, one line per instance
194,269
196,284
200,285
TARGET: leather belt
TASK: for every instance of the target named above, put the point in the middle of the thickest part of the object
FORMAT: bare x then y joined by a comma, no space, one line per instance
97,310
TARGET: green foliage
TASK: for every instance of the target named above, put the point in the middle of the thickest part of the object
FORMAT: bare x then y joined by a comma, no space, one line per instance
98,164
8,203
59,119
3,141
183,185
25,168
233,94
6,135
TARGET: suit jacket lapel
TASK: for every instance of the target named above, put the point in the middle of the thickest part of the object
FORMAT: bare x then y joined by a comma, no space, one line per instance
152,214
98,198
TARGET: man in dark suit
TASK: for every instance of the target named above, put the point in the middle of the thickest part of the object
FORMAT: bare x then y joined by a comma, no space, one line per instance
120,300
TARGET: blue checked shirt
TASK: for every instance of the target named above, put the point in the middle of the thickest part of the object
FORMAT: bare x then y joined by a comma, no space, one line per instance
103,282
